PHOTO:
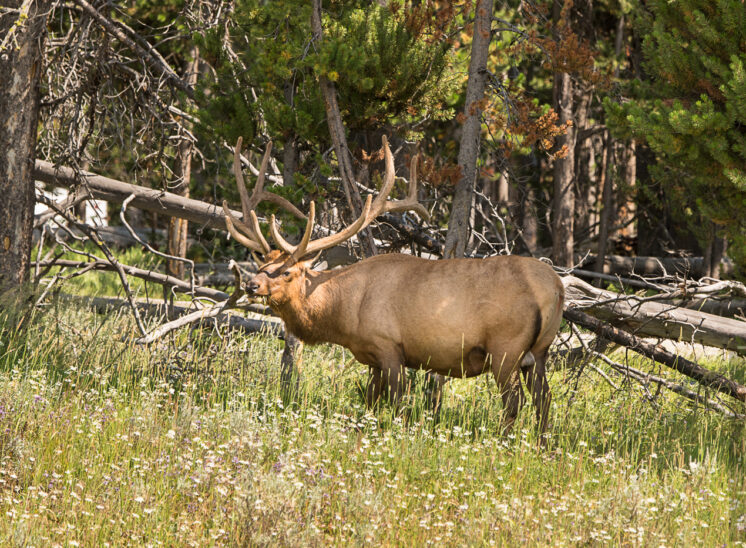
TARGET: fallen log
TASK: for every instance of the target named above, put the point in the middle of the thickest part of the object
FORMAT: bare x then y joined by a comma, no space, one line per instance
720,307
179,285
650,318
234,321
704,376
147,199
166,203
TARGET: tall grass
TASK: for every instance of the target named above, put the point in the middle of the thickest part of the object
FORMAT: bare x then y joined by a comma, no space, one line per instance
193,441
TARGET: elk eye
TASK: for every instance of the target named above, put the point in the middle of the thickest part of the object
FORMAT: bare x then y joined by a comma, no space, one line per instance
286,274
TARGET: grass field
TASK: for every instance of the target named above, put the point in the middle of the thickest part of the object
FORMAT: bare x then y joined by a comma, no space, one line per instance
193,442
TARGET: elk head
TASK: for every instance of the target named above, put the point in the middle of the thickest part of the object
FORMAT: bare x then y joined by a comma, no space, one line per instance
283,273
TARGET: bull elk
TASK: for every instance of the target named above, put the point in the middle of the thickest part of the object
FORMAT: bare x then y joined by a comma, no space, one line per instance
455,317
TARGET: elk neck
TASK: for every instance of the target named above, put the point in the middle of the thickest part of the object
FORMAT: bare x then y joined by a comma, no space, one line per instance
315,315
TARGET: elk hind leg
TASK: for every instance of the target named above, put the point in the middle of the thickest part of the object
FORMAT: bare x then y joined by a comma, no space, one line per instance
375,387
388,374
505,368
536,381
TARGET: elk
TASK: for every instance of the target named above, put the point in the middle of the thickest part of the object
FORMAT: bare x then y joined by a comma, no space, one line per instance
454,317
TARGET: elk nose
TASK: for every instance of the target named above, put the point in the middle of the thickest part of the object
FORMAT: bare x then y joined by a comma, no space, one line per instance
252,287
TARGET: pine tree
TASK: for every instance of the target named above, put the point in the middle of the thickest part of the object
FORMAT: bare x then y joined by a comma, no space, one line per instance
692,110
388,70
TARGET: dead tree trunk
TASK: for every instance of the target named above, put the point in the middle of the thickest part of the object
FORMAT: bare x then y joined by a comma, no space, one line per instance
563,208
458,224
178,228
607,185
22,30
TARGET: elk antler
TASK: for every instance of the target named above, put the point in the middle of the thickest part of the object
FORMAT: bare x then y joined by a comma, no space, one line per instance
382,205
249,235
370,212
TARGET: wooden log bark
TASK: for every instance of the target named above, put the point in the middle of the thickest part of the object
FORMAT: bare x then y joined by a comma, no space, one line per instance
649,318
147,199
704,376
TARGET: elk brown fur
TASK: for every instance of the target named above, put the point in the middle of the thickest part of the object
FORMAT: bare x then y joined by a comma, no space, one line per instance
455,317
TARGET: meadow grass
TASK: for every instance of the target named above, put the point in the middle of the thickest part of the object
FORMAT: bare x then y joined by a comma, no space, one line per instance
193,441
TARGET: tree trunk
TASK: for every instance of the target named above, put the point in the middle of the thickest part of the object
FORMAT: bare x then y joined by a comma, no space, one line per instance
530,221
564,194
607,185
585,163
177,228
626,209
21,68
563,206
458,224
339,139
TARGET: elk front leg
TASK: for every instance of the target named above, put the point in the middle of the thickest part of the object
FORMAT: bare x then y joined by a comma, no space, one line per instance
375,386
434,383
395,379
389,374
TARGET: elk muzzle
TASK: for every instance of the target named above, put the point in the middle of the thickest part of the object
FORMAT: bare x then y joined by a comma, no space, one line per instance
257,286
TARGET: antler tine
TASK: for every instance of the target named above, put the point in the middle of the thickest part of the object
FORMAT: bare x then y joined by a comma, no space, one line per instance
249,203
258,194
379,205
333,239
295,251
248,236
232,223
246,201
410,203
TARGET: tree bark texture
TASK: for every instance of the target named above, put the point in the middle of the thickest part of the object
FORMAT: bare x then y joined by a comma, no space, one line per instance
458,224
563,207
178,228
339,139
607,186
20,71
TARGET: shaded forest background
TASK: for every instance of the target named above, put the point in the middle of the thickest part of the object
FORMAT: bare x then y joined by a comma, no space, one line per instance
607,127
